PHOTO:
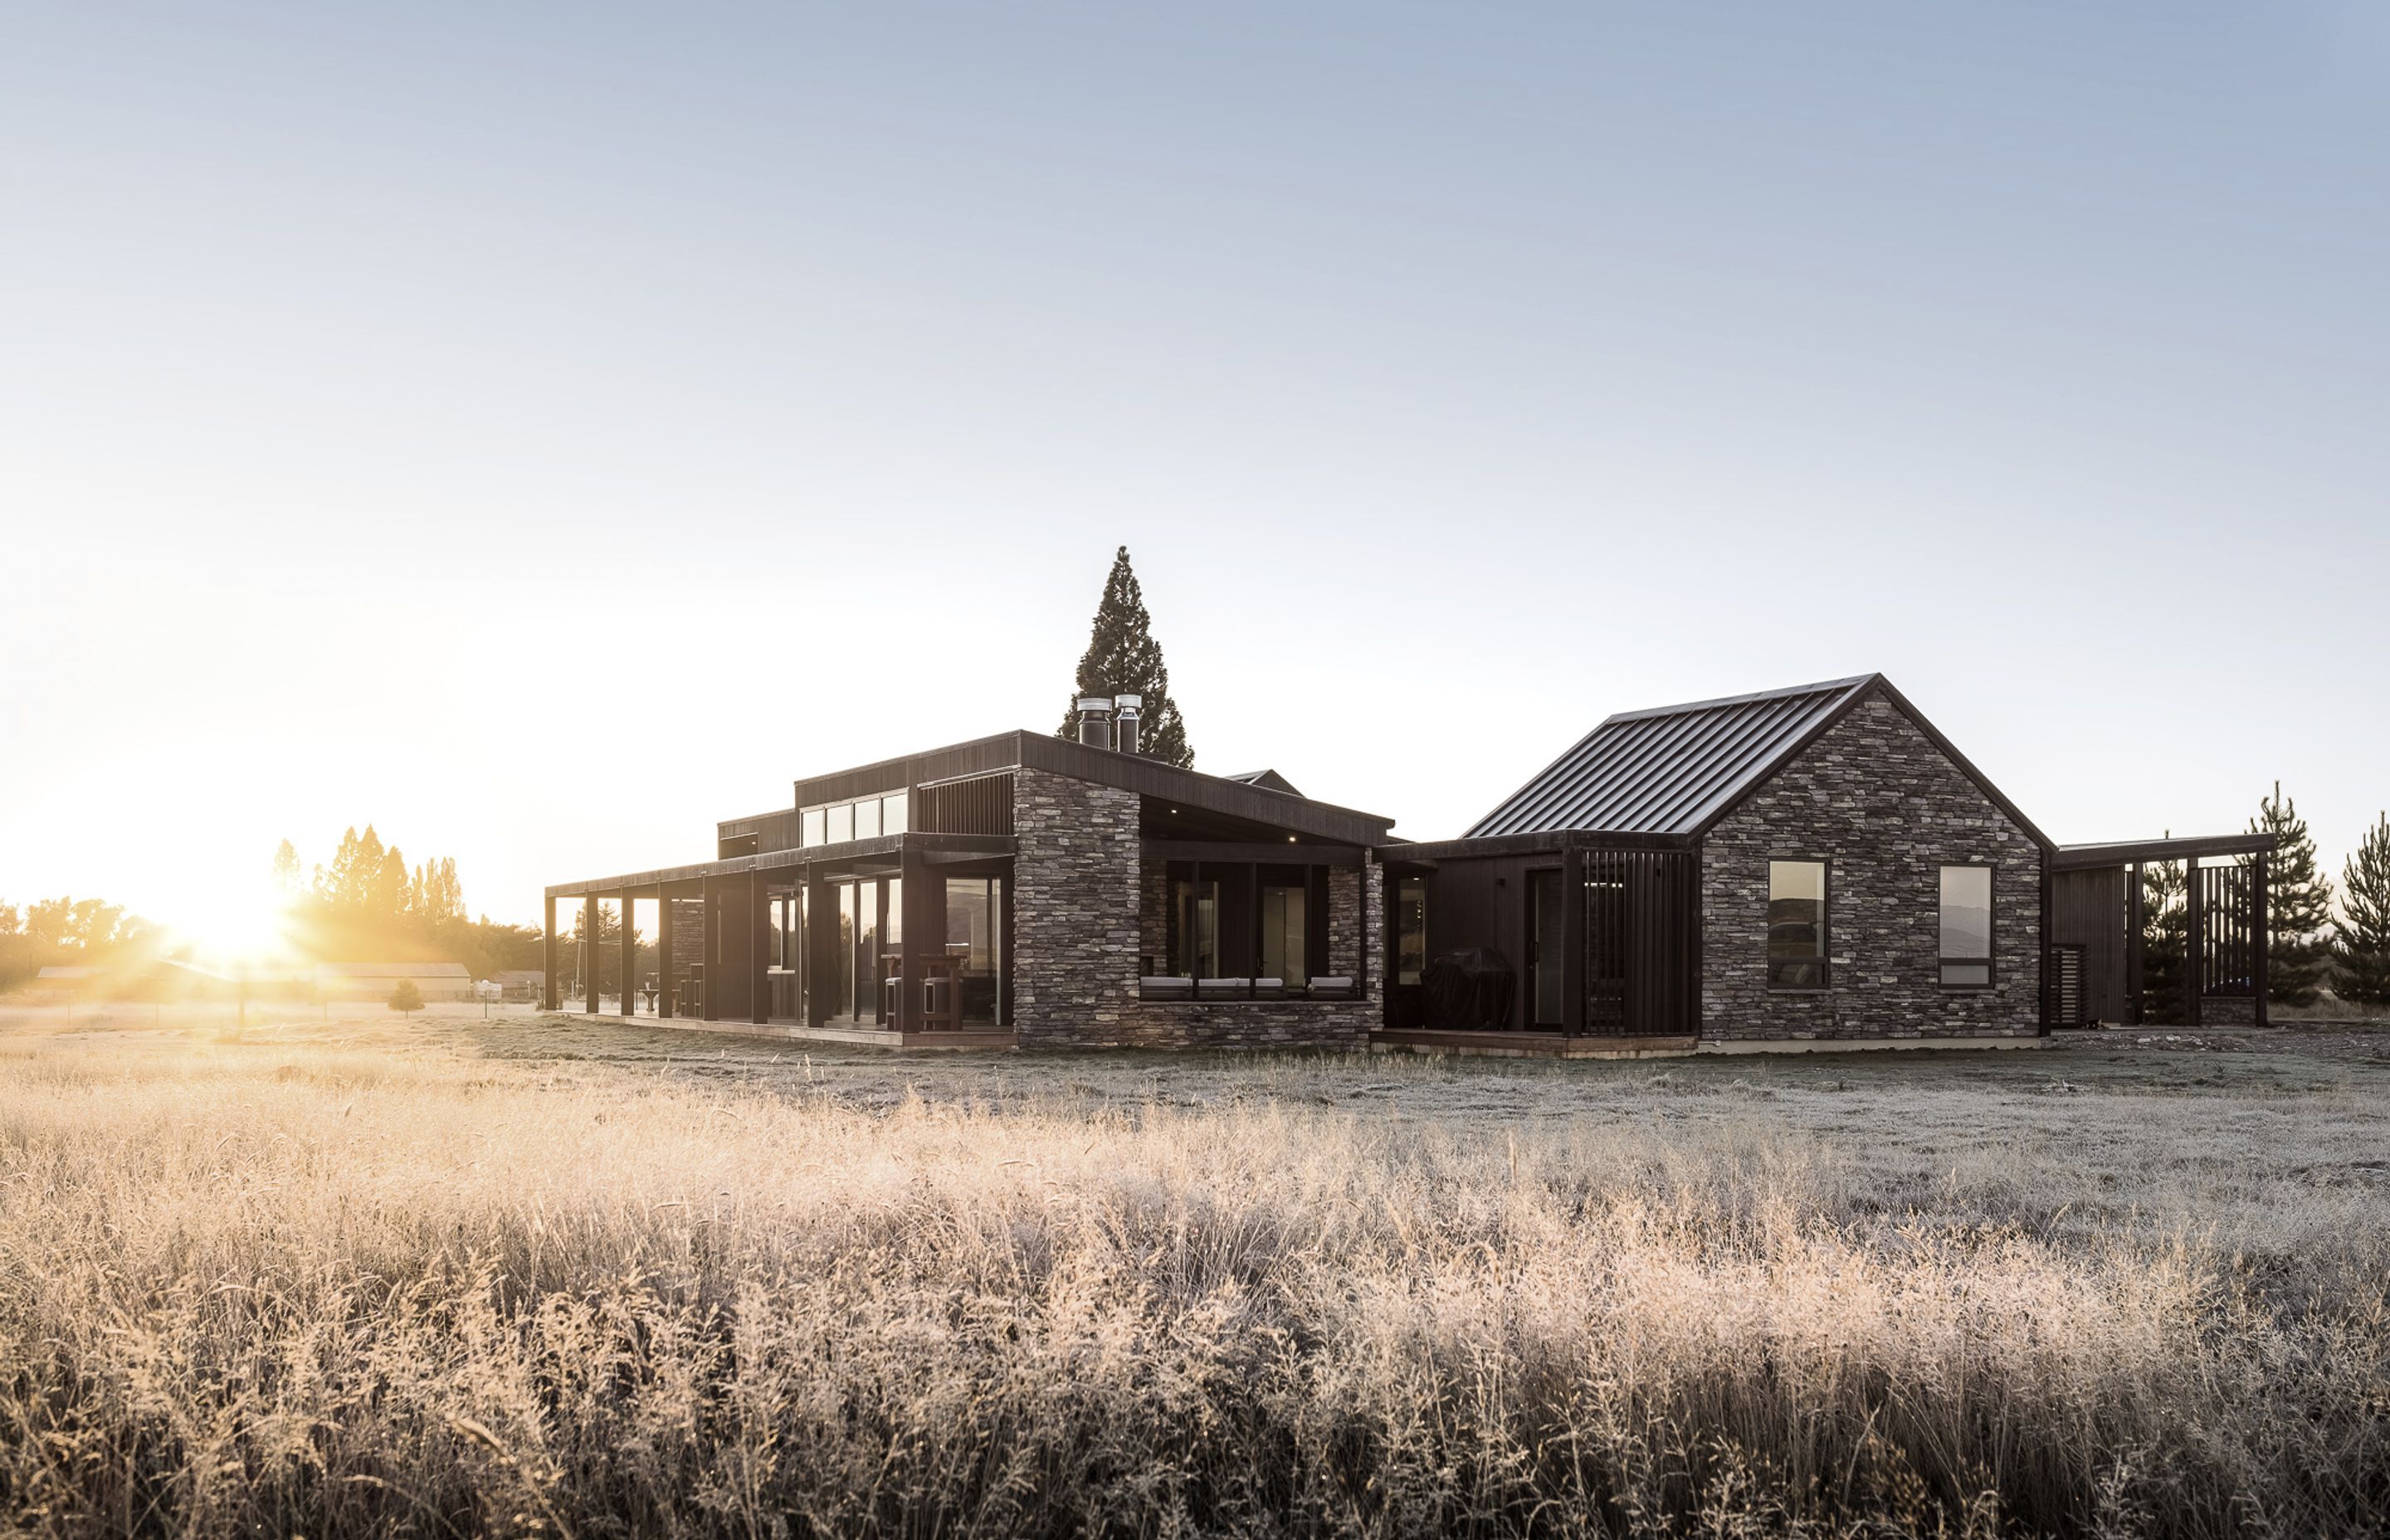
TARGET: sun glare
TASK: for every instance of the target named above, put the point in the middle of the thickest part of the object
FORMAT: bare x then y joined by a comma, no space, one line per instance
238,923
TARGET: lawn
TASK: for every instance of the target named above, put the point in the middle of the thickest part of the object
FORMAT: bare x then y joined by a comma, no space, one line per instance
538,1275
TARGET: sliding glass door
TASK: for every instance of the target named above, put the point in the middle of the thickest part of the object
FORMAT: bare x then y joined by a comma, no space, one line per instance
974,946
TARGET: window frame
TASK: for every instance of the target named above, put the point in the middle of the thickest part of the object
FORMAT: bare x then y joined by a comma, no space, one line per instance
1990,960
1825,984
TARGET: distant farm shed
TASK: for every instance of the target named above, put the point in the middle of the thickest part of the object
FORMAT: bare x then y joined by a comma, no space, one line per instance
434,981
56,985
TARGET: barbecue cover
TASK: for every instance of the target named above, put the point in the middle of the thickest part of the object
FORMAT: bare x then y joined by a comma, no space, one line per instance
1469,988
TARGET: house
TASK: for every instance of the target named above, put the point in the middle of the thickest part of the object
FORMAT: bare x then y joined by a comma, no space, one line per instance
1801,867
1020,889
375,981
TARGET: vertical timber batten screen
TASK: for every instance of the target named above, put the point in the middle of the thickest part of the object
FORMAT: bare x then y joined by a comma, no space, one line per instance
1642,925
975,805
2224,950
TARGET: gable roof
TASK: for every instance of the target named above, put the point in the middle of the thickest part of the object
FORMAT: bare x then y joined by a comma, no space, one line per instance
1679,769
1268,780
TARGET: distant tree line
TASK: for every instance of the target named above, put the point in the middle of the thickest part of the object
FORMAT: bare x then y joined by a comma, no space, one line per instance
2314,945
54,932
367,903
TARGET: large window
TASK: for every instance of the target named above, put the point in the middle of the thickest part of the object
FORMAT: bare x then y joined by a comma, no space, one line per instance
1285,939
1796,925
1546,945
861,819
1244,919
1410,930
1966,927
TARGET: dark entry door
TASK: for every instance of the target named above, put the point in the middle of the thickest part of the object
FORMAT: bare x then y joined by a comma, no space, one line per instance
1547,946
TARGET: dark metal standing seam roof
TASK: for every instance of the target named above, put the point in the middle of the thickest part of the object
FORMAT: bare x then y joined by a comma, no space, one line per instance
1666,770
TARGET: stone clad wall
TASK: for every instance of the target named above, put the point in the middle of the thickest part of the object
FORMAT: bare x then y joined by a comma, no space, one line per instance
1087,907
1353,895
1885,809
1153,913
1074,910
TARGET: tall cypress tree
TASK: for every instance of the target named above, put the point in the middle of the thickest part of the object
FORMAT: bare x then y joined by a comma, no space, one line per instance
1123,659
2362,939
2298,904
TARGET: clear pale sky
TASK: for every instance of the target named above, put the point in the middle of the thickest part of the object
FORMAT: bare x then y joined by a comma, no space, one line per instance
543,430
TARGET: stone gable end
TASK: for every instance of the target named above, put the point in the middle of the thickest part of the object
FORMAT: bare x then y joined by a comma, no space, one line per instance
1877,799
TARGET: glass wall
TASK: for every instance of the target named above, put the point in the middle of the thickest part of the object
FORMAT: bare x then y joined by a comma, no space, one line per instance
841,1000
1244,919
866,1005
974,915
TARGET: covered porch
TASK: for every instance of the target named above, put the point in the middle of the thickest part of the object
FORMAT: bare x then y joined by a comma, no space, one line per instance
1567,942
900,939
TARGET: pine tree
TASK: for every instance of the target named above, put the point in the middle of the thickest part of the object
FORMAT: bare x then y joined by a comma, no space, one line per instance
2165,941
406,998
1123,659
2298,904
286,867
2362,938
386,894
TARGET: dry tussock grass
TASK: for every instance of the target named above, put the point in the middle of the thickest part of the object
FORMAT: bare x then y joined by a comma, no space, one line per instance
265,1292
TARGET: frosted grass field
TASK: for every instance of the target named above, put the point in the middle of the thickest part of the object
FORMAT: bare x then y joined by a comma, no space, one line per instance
541,1275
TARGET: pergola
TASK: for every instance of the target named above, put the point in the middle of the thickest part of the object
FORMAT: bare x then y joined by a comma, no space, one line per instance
753,880
2226,956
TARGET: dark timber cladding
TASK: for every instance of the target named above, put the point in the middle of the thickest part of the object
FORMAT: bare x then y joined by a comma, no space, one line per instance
1599,936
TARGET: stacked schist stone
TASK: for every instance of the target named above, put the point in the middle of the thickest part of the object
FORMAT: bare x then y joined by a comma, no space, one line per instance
1074,919
1087,910
1886,808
